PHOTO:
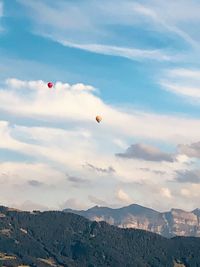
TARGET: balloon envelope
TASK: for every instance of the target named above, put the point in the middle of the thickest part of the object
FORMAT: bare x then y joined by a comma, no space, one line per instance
98,119
50,85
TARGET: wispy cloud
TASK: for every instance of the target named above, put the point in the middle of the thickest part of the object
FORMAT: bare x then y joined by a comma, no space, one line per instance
163,20
77,181
108,170
95,200
89,22
186,91
95,33
184,73
174,17
35,183
183,82
126,52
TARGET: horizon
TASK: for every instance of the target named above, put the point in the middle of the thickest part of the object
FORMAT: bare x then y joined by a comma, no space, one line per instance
107,207
136,66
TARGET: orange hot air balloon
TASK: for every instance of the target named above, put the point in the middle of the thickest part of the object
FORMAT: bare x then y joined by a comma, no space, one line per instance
98,119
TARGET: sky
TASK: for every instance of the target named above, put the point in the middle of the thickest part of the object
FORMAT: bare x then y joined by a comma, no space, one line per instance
136,63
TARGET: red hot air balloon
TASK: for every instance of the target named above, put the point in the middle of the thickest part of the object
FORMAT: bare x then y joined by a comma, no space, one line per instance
50,84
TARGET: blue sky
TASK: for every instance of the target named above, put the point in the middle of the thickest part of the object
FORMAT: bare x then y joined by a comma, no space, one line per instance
136,63
140,84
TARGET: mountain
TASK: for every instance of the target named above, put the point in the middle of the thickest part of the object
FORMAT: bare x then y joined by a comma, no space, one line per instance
168,224
54,238
196,212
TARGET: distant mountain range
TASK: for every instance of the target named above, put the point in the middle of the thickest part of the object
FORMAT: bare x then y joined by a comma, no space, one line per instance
59,239
168,224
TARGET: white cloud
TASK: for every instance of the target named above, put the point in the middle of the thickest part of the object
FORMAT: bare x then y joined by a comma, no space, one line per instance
87,24
85,138
182,90
41,85
56,145
191,192
126,52
19,173
57,151
95,200
120,143
182,158
30,206
123,196
184,73
17,192
143,10
171,16
89,30
165,192
65,103
62,101
185,192
183,82
73,203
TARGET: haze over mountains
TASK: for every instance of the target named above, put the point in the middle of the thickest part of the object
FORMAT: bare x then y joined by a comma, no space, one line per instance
176,222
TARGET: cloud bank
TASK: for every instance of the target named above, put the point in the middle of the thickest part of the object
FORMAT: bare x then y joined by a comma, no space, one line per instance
69,154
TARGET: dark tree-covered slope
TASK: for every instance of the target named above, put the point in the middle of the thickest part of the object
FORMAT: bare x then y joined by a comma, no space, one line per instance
63,239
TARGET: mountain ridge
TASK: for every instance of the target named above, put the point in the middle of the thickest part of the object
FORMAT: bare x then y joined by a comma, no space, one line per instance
175,222
60,239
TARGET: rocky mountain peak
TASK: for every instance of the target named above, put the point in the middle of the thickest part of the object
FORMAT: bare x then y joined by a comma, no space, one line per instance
175,222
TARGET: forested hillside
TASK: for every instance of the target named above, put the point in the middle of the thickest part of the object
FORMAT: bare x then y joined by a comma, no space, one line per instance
63,239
